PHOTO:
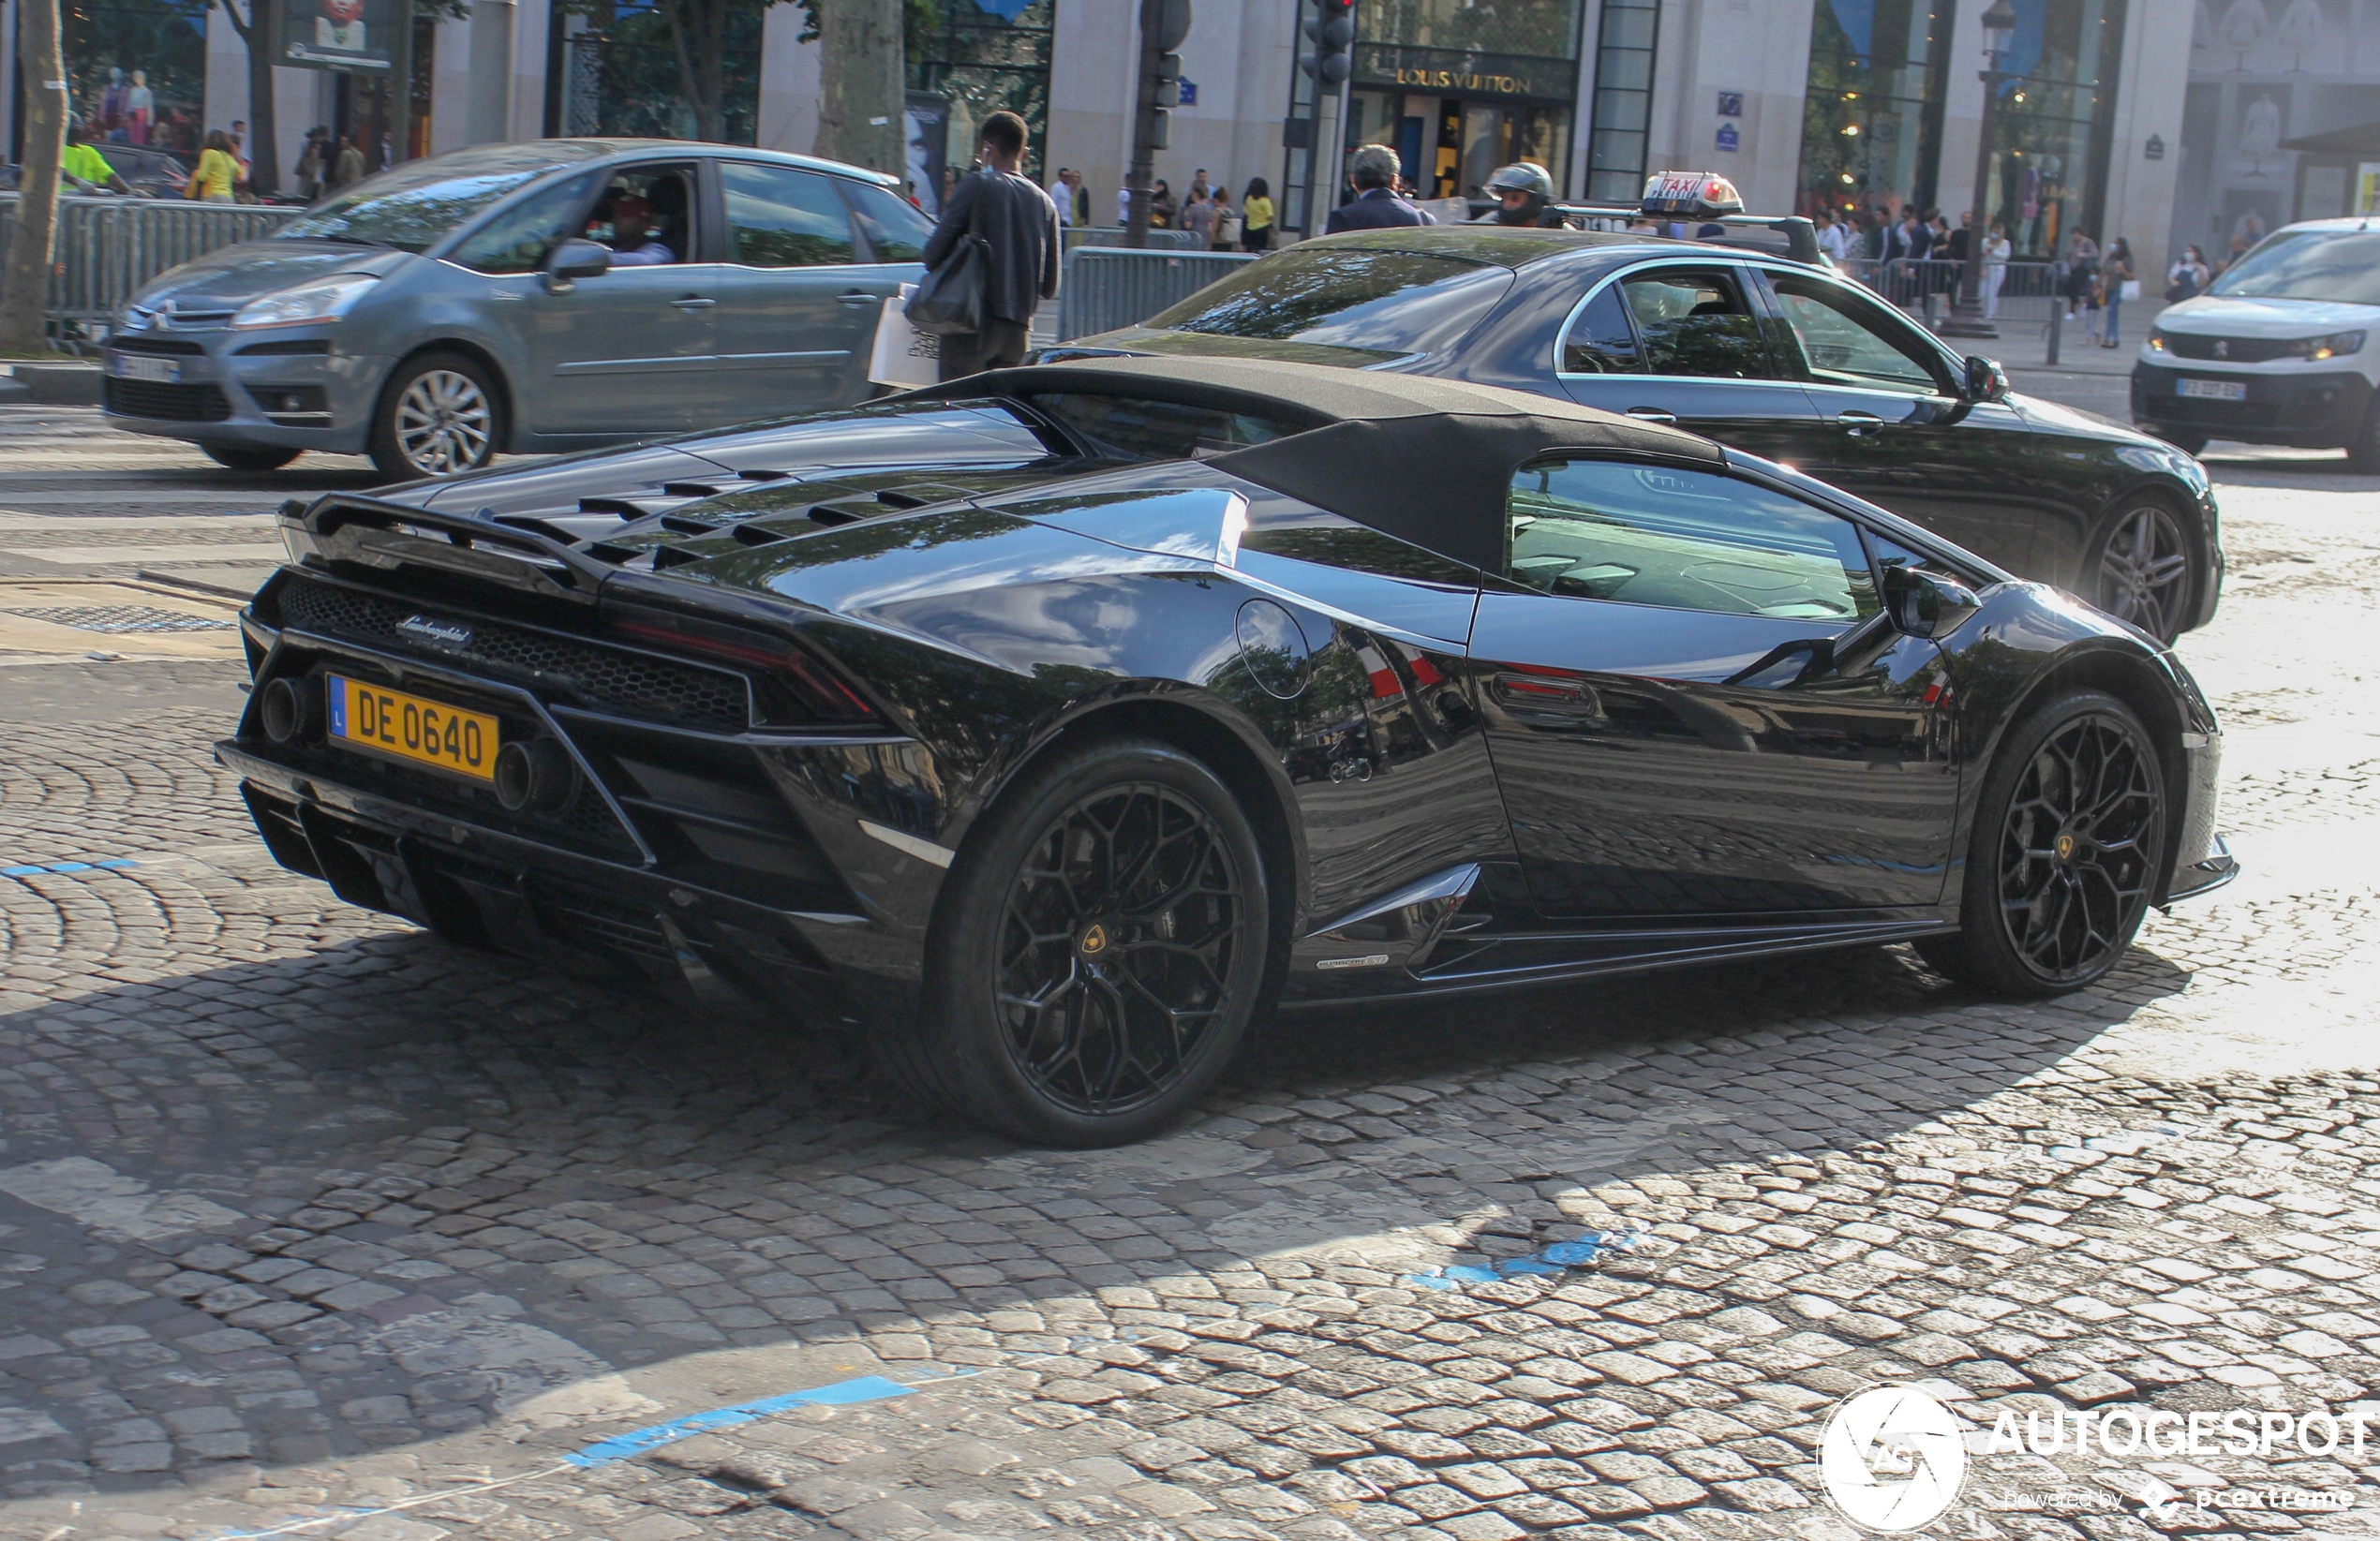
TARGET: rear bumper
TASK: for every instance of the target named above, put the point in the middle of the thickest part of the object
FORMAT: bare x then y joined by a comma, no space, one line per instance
787,869
560,907
2317,411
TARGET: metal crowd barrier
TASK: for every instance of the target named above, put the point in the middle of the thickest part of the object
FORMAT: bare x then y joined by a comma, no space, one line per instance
109,247
1072,236
1103,287
1929,286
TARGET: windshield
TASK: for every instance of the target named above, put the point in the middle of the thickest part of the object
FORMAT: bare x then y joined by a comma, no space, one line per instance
2339,266
1386,303
411,206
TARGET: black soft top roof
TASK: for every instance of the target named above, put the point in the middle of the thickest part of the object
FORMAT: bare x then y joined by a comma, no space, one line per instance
1428,461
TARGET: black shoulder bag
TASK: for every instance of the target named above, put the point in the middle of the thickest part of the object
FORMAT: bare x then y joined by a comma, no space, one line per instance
950,298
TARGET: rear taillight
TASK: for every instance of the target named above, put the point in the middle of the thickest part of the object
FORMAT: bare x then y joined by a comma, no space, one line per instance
785,675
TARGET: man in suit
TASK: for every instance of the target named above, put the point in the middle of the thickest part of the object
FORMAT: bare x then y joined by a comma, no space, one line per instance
1376,206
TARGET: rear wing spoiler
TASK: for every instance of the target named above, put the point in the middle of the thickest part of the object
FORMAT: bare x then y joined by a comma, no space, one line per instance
1801,236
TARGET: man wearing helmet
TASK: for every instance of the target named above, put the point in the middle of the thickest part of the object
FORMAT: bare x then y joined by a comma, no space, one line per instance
1524,191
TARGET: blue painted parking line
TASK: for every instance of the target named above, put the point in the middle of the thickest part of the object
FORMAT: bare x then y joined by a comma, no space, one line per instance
1559,1258
33,868
636,1441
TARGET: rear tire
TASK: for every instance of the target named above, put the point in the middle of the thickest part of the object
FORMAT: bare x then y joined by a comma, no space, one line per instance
2069,835
242,457
1099,951
439,415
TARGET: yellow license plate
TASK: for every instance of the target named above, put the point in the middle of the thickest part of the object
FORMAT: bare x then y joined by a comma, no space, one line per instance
429,733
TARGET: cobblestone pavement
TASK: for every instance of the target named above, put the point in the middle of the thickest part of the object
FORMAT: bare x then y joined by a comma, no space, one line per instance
312,1224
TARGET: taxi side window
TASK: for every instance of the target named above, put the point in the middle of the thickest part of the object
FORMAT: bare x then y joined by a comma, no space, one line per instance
1847,340
1685,539
1600,340
1698,322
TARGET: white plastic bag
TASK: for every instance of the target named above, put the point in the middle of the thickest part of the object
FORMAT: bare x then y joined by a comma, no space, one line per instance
903,355
2130,290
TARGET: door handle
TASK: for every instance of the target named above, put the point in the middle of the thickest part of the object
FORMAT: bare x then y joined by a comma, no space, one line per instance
692,302
857,297
1856,424
1652,414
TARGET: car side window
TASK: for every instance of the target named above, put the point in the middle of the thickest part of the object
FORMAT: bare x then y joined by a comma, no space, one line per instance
1699,322
1685,539
1600,340
893,226
1848,339
518,239
778,218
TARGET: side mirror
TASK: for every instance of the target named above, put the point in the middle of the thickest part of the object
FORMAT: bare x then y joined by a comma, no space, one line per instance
1986,379
575,260
1926,604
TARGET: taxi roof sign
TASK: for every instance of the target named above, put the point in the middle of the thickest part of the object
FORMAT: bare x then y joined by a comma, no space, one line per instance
1702,194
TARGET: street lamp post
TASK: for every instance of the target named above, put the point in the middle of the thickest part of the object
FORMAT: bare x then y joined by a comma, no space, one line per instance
1967,316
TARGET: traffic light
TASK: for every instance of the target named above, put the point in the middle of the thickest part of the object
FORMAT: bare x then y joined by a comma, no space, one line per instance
1169,96
1332,31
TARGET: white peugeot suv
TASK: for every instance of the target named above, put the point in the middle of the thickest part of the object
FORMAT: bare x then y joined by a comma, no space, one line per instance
2283,348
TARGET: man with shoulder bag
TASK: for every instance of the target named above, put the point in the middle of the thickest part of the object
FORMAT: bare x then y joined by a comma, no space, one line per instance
991,259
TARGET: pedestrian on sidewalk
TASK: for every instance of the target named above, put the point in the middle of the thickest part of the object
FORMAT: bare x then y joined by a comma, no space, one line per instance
1227,223
1020,223
2114,273
1198,218
1996,254
218,170
2082,265
1256,216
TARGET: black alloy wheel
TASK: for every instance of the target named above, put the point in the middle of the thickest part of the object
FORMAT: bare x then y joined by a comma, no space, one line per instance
1098,951
2143,571
2066,846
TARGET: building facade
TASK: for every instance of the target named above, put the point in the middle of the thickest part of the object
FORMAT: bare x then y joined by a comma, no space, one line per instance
2162,121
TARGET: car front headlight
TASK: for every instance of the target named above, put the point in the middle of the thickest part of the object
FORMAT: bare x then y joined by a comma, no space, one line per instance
323,299
2334,346
2156,340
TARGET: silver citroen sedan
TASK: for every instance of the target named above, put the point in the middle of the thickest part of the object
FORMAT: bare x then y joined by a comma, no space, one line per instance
559,294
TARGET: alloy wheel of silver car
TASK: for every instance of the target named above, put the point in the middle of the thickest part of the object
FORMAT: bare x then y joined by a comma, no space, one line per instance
2144,570
443,423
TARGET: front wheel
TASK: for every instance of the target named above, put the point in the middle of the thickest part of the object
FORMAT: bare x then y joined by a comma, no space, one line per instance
1099,951
2144,569
2067,839
245,457
438,417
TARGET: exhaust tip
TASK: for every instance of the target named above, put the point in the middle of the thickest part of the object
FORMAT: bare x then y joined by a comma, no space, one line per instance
536,776
289,710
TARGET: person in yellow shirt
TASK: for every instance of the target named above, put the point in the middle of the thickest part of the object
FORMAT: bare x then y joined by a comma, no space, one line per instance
1256,217
219,167
85,164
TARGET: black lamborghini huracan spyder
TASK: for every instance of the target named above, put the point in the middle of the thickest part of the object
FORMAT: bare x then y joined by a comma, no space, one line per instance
1052,726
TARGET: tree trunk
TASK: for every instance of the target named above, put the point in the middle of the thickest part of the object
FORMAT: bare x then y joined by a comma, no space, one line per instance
25,286
862,81
264,170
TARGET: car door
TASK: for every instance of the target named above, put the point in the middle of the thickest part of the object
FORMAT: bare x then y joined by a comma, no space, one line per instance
1685,343
1693,707
1899,430
797,312
627,353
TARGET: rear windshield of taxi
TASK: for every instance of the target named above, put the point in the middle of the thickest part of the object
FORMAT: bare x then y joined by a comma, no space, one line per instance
1387,303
